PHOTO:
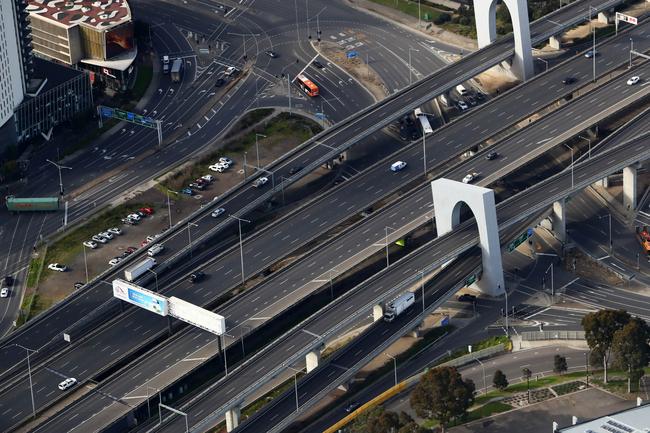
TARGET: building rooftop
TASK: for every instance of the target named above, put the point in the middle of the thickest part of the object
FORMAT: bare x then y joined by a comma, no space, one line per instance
98,14
635,420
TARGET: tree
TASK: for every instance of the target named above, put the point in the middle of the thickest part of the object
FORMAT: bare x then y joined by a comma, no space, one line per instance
559,364
630,349
526,374
412,427
376,420
600,328
499,380
442,394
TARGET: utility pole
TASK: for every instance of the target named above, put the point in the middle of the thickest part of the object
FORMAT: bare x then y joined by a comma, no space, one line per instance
59,167
241,247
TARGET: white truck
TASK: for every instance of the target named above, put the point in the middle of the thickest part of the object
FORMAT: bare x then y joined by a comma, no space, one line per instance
398,305
165,64
139,269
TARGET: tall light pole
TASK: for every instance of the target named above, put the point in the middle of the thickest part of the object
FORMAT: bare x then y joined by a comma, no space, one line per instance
631,49
609,217
257,147
241,246
422,287
593,48
552,280
295,385
225,359
59,167
29,372
589,143
85,263
506,293
484,379
386,242
243,36
571,149
155,275
394,365
410,69
189,235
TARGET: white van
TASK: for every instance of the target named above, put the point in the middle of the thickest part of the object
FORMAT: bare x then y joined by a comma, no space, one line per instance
461,90
154,250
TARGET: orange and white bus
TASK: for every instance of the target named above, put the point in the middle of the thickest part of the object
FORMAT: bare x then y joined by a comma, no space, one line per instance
306,85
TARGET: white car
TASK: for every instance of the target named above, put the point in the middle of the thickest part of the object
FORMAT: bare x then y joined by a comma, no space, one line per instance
633,80
207,177
90,244
470,177
217,212
106,235
397,166
4,293
462,105
134,216
260,182
226,160
69,382
219,168
115,231
99,238
114,261
57,267
231,70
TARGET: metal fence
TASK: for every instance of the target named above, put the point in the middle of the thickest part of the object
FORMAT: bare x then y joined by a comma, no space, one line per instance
552,335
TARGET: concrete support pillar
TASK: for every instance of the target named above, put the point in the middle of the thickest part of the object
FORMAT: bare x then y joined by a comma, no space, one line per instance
559,219
312,359
485,15
232,418
448,195
554,42
629,187
604,182
603,17
377,313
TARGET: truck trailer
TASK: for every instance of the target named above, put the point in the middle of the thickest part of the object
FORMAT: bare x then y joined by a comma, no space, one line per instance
398,305
32,204
177,68
139,269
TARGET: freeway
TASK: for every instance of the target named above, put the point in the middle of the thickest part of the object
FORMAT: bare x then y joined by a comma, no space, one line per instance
307,275
129,324
347,132
325,377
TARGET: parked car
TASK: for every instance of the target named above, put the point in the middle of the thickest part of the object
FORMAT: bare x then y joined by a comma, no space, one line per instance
68,383
154,250
152,238
226,160
147,210
134,216
78,285
90,244
197,185
100,239
115,231
187,191
8,280
196,276
260,181
471,177
57,267
218,167
467,298
462,105
397,166
129,221
271,54
207,177
231,71
4,293
217,212
107,235
318,64
114,261
633,80
492,155
131,249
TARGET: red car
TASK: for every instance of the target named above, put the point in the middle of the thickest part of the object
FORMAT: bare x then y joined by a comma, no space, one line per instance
144,243
131,249
146,210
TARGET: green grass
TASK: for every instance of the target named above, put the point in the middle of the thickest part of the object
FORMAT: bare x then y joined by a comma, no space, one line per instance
410,8
463,30
476,346
34,269
249,119
488,409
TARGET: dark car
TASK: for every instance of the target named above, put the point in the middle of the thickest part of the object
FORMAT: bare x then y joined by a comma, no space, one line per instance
403,133
220,82
294,170
569,80
271,54
479,96
351,406
467,298
196,276
492,155
8,280
318,64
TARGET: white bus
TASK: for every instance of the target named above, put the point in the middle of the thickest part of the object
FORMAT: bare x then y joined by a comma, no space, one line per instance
424,121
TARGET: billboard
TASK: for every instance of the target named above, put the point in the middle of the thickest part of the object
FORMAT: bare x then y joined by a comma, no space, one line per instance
140,296
197,316
627,18
119,40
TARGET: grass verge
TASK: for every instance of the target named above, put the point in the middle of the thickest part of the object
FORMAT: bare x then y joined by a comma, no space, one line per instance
411,8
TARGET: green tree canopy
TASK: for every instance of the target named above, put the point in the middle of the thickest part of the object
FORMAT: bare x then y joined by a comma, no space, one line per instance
443,395
600,328
630,348
499,380
559,364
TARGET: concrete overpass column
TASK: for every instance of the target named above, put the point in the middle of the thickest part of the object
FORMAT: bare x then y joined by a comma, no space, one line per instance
603,17
554,42
312,359
604,182
232,418
377,312
559,219
629,187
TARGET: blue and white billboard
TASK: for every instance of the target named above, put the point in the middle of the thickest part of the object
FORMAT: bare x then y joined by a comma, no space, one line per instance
141,297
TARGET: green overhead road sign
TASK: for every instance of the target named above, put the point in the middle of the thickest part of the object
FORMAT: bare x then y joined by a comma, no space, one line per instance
519,240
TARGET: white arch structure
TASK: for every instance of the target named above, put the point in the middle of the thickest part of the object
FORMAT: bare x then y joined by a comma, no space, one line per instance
448,195
486,31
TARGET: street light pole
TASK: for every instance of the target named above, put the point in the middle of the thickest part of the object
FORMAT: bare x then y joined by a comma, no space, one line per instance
241,246
85,264
422,286
631,49
506,293
589,143
394,365
571,149
552,280
593,49
411,69
483,368
609,217
257,148
386,242
29,372
189,235
59,167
